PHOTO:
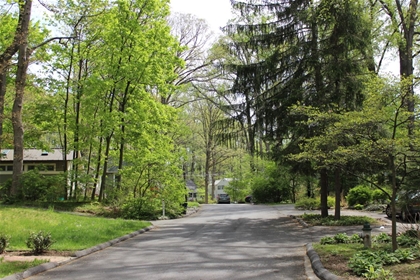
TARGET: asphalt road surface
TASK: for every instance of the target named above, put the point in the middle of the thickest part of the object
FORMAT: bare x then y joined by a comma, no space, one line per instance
232,241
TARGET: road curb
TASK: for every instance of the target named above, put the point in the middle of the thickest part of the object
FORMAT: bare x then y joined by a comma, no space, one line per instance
317,266
302,222
47,266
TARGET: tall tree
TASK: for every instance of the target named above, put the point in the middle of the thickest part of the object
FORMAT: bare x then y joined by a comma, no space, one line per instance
314,54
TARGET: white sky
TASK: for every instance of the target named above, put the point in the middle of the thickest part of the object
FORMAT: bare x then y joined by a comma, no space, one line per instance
215,12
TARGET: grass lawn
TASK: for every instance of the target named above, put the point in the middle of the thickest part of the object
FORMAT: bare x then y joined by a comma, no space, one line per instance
9,268
70,231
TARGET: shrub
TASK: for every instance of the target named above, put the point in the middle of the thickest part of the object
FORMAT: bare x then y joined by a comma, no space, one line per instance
307,203
379,196
4,242
39,242
359,195
358,207
39,187
331,202
141,209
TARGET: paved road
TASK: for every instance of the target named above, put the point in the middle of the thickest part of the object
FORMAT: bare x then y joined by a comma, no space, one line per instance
237,241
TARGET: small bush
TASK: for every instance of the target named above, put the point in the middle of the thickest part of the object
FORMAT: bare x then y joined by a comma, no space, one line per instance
359,195
358,207
379,196
307,203
331,202
4,242
39,242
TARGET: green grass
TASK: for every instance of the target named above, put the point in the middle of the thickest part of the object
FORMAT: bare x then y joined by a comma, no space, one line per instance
71,232
9,268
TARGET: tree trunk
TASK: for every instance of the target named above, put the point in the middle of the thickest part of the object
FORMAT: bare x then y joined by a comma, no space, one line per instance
3,87
337,183
324,193
23,62
105,168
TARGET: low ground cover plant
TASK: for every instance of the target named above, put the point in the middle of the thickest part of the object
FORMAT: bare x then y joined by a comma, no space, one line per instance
317,220
376,263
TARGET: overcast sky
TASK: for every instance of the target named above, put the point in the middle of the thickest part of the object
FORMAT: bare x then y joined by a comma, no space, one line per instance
215,12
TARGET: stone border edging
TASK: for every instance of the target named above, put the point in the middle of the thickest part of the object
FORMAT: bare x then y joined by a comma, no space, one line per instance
302,222
317,266
46,266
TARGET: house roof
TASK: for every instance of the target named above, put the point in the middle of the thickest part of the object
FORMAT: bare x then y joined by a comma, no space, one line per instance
36,155
191,185
222,181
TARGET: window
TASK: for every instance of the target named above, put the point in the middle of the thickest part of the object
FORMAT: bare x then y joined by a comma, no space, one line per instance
6,167
42,167
220,188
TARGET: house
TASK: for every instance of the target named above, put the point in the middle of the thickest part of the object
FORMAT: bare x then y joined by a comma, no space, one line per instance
219,186
48,162
192,190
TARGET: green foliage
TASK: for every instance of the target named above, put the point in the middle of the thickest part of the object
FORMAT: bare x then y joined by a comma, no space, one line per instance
356,238
9,268
341,238
405,254
368,262
358,207
140,209
328,240
307,203
379,196
71,232
364,261
407,241
378,274
4,242
39,242
359,195
5,189
271,185
381,238
330,202
317,220
39,187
